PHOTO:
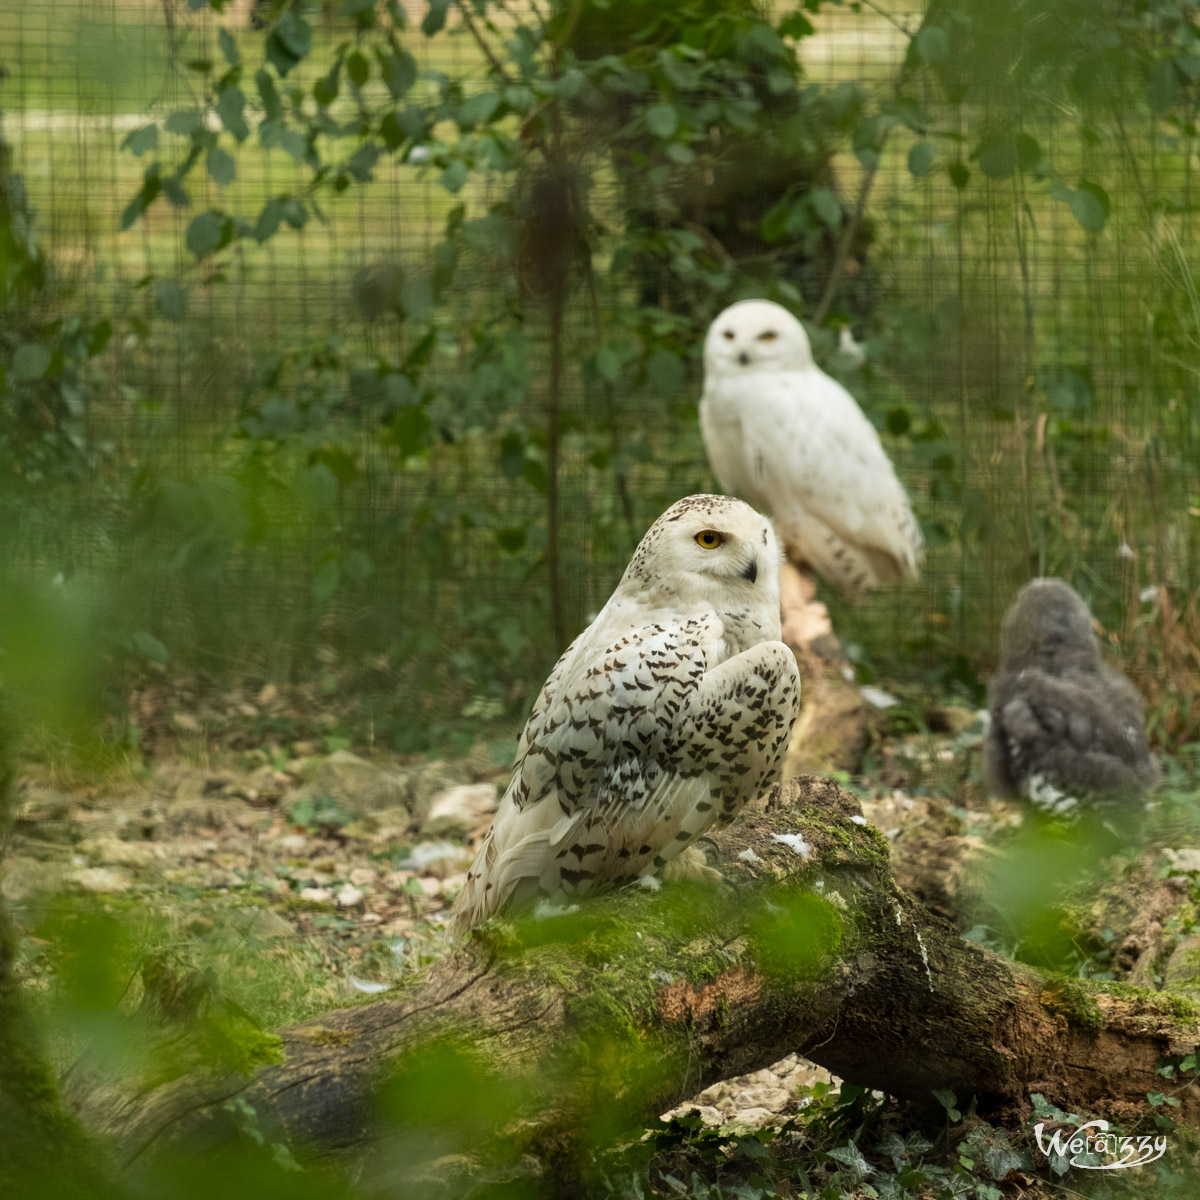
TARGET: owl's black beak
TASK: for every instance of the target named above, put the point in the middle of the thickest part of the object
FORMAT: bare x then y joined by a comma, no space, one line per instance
751,571
744,359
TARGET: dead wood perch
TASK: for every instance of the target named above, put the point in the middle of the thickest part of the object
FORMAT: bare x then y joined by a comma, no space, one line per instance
639,1001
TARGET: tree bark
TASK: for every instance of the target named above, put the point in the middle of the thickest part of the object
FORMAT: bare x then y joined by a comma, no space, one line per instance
550,1034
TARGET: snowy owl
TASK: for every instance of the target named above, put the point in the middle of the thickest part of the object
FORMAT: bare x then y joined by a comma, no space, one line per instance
790,440
1066,729
661,720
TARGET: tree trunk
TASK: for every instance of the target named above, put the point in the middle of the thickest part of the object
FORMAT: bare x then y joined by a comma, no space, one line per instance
552,1033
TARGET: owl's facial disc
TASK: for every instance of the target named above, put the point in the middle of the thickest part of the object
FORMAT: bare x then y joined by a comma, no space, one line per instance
721,553
756,335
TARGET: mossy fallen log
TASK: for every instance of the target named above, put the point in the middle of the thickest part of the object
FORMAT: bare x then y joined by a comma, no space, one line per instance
538,1039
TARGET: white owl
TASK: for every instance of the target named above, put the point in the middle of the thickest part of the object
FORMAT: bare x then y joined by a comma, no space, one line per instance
790,440
663,718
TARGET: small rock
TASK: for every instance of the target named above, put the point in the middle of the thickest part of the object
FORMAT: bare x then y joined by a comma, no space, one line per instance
431,887
773,1099
456,811
318,895
99,879
755,1118
362,876
710,1116
427,856
267,694
112,852
349,896
25,877
185,722
293,843
359,786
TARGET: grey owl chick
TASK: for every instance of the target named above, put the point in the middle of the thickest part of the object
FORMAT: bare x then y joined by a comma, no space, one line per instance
663,718
1067,730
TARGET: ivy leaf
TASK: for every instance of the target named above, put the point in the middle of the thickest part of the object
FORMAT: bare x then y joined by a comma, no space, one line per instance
478,109
455,176
662,120
920,159
1162,86
933,44
826,205
147,194
31,361
150,647
998,157
170,299
1089,205
358,68
142,140
228,45
99,337
185,122
221,165
399,70
435,18
231,109
208,232
665,371
410,428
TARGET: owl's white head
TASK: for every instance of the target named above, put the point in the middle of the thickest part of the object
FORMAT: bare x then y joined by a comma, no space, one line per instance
755,335
708,552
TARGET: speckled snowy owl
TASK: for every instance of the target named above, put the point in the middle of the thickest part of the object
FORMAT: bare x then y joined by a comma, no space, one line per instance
667,715
1067,731
787,438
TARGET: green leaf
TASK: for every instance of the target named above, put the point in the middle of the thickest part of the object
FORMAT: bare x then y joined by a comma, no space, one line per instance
290,42
326,579
147,194
959,175
221,165
231,108
185,122
1087,210
358,565
229,48
1162,86
325,90
142,140
796,25
511,540
455,176
998,157
399,70
150,647
1029,153
99,337
665,371
358,68
512,455
478,109
268,220
608,364
826,205
170,299
933,44
207,233
31,361
410,429
920,159
537,476
416,298
268,94
435,18
662,120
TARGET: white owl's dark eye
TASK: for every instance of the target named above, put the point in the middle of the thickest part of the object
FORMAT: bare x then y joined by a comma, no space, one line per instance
728,335
708,539
767,335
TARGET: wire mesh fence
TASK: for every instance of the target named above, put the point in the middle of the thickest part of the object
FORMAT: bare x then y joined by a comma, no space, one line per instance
325,428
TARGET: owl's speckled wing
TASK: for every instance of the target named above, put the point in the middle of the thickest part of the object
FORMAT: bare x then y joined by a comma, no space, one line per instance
635,747
796,445
1061,739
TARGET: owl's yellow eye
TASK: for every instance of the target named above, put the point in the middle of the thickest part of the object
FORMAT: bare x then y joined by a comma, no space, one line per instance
708,539
767,335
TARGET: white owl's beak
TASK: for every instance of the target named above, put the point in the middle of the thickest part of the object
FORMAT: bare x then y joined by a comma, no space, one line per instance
744,358
751,571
